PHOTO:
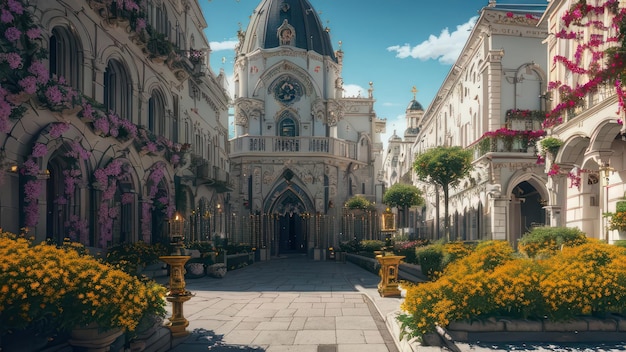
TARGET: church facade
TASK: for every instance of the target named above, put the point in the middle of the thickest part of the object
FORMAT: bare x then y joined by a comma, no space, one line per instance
301,148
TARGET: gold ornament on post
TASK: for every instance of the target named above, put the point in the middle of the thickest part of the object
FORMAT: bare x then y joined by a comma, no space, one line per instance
177,294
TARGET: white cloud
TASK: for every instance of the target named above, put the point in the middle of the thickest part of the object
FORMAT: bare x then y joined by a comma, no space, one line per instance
445,48
353,90
397,125
225,45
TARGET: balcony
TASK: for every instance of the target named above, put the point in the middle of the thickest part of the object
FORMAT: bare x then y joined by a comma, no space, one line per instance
209,172
505,140
517,119
213,176
293,145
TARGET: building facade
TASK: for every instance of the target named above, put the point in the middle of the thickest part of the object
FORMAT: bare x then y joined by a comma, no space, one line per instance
112,121
398,166
492,102
301,148
588,169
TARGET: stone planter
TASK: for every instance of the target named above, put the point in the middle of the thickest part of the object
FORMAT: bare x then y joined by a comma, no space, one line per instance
216,270
92,338
194,270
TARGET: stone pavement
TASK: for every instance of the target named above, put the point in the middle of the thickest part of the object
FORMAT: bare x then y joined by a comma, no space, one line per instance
295,304
289,304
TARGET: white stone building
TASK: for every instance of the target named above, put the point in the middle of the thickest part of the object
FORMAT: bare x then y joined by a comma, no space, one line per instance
491,102
398,164
301,149
147,138
591,160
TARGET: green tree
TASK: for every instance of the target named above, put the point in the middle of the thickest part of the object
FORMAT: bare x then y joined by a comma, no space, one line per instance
358,202
403,196
445,166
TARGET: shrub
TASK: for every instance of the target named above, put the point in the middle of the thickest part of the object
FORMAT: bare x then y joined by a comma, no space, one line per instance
372,245
45,287
430,259
358,202
583,280
453,251
353,246
550,145
133,256
204,247
588,279
407,249
543,241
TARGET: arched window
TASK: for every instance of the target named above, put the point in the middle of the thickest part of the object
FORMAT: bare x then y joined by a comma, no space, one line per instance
65,211
66,56
161,20
288,127
117,89
156,113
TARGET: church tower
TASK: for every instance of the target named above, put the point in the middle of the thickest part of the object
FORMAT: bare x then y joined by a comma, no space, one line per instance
301,148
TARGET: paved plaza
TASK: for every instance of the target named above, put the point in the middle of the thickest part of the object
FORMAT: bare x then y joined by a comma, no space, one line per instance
295,304
289,304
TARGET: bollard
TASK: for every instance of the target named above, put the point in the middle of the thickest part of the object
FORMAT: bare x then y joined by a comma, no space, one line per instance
177,294
389,266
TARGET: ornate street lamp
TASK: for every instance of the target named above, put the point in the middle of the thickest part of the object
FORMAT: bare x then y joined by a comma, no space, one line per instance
177,293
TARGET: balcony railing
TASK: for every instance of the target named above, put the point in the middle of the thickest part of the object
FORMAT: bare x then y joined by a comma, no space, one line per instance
272,144
506,141
517,119
209,172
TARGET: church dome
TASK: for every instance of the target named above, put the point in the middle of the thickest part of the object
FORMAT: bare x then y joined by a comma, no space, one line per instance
286,22
414,105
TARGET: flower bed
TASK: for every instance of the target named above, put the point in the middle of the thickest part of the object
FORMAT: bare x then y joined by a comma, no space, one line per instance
493,281
46,287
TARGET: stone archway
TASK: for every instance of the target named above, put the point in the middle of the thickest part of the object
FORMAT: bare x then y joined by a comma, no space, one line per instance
290,211
526,209
291,234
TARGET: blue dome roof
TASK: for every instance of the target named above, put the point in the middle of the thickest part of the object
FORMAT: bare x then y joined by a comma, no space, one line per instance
304,27
415,106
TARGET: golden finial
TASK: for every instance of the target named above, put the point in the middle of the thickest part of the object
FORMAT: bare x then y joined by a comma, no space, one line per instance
414,91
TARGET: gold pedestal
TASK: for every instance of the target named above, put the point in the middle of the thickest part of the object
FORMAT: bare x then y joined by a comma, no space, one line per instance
389,266
177,294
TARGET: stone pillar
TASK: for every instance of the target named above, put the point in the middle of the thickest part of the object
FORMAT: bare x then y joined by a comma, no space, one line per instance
499,224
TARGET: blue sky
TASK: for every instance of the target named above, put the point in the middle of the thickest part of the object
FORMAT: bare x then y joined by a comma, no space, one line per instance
396,44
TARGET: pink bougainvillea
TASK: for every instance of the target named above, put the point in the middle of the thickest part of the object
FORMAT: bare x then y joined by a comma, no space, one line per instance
593,64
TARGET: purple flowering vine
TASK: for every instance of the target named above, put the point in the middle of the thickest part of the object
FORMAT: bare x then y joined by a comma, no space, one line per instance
108,178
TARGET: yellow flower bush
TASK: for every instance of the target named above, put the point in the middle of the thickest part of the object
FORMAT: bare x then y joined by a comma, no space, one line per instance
546,241
494,281
42,286
618,221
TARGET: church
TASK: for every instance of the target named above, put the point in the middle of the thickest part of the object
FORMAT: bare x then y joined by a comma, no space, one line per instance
301,147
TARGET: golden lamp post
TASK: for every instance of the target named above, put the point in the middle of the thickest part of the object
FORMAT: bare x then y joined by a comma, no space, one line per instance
389,264
177,294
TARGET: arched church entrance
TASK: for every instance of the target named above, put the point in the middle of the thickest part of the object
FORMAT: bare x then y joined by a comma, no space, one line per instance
291,234
526,210
291,210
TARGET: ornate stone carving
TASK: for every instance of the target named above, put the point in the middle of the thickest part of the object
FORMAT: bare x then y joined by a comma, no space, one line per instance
294,71
247,108
336,111
318,110
286,33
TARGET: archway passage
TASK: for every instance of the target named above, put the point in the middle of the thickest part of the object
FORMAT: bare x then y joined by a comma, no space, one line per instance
526,209
292,234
